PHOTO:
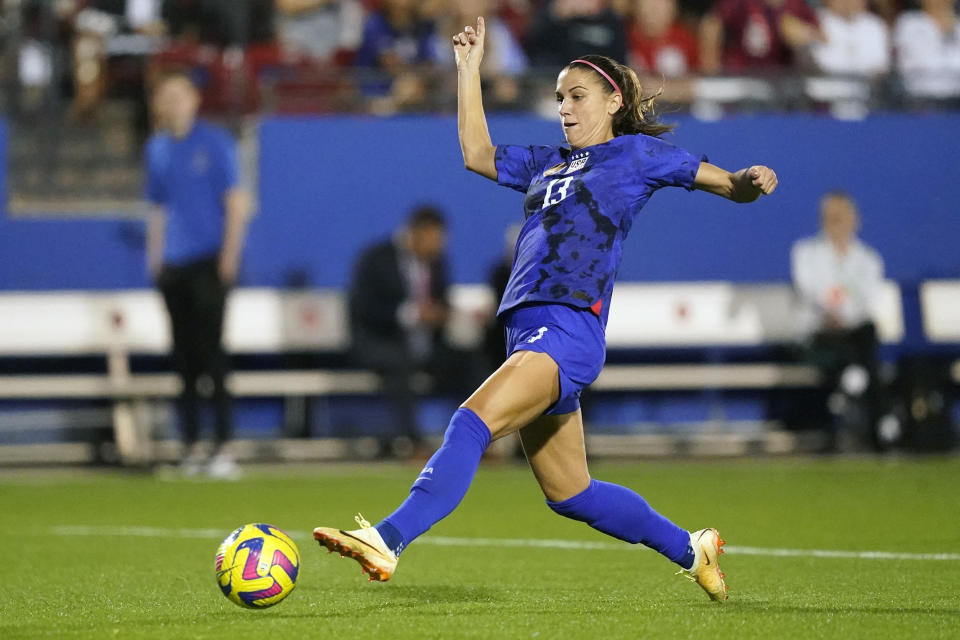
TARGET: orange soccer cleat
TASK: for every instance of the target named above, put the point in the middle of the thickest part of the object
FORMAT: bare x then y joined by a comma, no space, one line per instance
363,545
707,546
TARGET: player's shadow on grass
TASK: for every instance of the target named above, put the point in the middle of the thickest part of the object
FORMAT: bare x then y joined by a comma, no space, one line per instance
445,593
765,607
412,597
420,596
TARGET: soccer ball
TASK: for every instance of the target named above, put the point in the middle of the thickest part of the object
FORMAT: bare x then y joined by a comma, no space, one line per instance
257,566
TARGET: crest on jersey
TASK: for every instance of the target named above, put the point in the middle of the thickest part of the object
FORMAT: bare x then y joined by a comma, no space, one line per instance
200,162
577,163
557,168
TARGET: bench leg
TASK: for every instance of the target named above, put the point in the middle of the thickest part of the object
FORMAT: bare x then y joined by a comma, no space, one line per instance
131,431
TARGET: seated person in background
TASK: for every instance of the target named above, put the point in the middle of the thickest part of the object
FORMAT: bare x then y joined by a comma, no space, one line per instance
398,312
927,44
856,42
756,35
504,58
494,335
319,29
106,29
563,30
186,20
662,47
838,281
398,42
516,14
659,43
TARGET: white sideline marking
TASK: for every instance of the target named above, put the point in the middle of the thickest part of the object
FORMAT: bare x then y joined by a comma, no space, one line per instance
576,545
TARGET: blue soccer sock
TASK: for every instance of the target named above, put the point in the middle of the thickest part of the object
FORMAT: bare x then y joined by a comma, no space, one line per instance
624,514
442,484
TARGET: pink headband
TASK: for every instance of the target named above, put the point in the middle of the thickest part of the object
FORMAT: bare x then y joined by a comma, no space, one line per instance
601,72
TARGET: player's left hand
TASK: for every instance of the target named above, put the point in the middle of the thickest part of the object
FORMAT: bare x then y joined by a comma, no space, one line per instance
762,178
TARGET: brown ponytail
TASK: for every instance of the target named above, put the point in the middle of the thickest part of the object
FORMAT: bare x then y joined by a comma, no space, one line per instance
636,115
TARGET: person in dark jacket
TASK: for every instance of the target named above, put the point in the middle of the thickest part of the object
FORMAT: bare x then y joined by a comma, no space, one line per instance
398,311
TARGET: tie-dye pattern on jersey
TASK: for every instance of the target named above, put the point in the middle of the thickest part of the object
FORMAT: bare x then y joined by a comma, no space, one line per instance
578,210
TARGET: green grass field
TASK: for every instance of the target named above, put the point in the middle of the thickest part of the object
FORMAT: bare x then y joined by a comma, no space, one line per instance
114,555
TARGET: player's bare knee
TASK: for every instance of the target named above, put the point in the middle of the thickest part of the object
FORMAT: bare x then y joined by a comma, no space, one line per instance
559,492
493,416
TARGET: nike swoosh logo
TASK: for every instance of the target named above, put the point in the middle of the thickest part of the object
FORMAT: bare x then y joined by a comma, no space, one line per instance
363,542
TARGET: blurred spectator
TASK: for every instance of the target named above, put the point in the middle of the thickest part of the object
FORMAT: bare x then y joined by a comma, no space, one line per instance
238,23
927,44
109,29
692,12
856,42
186,20
564,30
494,339
398,40
739,36
503,59
886,9
659,44
398,311
516,14
662,47
838,280
227,46
220,22
195,234
319,29
41,29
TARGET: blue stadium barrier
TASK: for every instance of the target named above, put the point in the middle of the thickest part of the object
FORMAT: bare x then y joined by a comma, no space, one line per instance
328,186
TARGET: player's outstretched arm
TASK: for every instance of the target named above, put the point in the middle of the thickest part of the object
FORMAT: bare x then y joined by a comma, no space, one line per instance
479,154
745,185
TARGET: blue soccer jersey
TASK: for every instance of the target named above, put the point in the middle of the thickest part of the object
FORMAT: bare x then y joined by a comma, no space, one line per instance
578,210
189,177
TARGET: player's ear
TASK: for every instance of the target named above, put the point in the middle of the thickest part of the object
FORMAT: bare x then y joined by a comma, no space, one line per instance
615,102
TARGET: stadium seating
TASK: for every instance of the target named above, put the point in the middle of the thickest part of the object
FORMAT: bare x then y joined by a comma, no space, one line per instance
940,303
940,308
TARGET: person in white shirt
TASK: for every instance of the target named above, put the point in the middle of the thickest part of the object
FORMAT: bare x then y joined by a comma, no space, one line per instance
856,42
838,280
836,275
927,45
319,29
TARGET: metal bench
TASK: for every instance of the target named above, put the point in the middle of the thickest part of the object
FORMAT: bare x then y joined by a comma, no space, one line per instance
115,325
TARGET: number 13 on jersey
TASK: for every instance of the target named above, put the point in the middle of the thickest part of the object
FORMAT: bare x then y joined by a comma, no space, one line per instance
556,191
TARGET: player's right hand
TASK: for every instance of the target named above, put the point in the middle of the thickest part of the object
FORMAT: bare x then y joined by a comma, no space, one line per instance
468,46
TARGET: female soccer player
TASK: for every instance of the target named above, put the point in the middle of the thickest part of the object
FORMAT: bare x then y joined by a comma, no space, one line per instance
579,206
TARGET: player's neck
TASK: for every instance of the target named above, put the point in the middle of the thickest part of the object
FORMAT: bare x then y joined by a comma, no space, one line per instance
841,247
599,140
182,130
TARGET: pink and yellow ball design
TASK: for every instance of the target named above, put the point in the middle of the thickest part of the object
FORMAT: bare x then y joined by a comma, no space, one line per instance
257,566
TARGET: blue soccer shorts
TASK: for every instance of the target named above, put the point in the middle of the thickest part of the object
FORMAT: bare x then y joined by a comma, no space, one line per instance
573,337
